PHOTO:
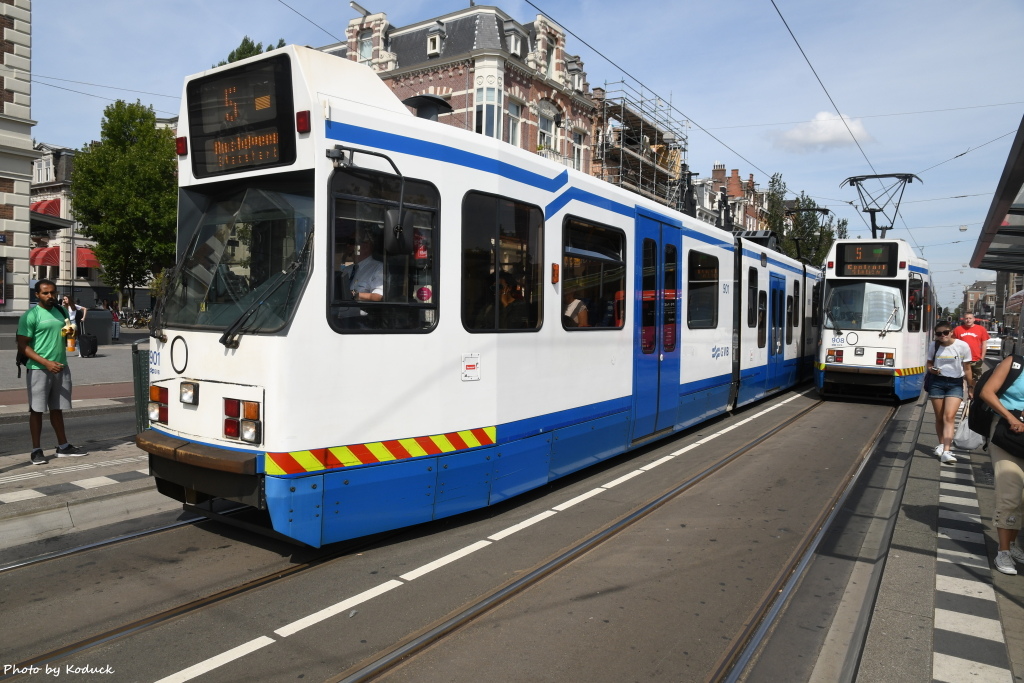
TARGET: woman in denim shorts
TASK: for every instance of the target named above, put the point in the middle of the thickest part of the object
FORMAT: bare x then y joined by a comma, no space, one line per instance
949,361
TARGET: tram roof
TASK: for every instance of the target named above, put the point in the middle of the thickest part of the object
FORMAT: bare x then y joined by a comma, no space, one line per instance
1001,244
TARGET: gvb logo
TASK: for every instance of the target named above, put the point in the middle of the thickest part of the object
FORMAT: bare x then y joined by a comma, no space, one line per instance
719,351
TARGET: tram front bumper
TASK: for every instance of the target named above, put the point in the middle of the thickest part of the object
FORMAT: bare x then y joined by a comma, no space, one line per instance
194,473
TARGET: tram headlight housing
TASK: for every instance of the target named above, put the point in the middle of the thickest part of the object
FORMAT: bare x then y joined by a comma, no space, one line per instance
188,393
242,420
158,398
250,431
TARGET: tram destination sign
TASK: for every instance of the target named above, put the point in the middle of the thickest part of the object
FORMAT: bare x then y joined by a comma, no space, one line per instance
242,119
871,259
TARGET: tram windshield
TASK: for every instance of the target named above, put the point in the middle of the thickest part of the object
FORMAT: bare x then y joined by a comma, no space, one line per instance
864,306
248,243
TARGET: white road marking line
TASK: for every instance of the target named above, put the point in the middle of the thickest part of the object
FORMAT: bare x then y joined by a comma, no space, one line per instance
336,608
625,477
522,525
969,625
962,559
954,669
578,499
662,461
95,482
955,488
957,500
220,660
972,589
960,516
16,496
71,468
21,477
447,559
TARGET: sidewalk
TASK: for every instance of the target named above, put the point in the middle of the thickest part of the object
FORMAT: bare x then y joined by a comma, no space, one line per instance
102,383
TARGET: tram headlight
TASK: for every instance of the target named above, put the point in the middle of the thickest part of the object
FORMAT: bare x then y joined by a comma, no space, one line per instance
158,397
251,430
188,393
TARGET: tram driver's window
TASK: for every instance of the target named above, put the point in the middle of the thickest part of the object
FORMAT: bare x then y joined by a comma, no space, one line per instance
372,288
502,259
593,276
702,291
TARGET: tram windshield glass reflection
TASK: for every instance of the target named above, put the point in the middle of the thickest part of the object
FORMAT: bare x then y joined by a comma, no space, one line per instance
864,306
244,244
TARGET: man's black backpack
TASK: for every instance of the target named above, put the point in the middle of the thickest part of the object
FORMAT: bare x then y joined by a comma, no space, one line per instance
979,417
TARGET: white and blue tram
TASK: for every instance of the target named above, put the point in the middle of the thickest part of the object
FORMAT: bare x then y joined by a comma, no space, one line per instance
377,320
877,317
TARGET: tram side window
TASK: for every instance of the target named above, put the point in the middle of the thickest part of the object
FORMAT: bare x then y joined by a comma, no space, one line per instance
752,298
702,291
372,289
798,312
593,276
762,319
502,257
915,306
816,304
790,318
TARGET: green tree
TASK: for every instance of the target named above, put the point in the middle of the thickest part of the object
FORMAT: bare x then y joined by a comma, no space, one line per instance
124,192
247,48
800,220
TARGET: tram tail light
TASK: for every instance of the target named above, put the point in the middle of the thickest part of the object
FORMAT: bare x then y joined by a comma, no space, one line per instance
242,420
886,359
834,356
302,122
181,146
158,397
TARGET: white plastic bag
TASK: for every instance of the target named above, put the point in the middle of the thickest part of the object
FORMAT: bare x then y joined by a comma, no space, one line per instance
964,438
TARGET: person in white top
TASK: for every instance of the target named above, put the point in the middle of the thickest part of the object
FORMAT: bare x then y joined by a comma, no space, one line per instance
949,363
363,280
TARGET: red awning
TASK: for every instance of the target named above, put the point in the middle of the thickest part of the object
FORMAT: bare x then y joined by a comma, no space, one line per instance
86,259
45,256
51,207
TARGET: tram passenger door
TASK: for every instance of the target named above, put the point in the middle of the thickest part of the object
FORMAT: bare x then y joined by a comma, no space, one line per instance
656,328
777,327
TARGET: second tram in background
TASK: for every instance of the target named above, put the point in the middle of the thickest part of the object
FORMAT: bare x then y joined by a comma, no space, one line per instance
877,315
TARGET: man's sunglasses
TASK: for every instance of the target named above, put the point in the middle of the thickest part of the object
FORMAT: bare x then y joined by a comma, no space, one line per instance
943,333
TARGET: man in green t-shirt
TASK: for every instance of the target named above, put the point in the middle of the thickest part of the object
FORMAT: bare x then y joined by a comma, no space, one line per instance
49,379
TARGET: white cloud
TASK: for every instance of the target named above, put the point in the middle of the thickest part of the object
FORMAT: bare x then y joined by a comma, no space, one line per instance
825,132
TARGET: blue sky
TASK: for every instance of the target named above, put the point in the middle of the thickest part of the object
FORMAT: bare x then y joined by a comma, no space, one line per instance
920,83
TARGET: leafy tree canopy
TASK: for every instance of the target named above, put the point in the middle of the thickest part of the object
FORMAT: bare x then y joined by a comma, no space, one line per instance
247,48
801,221
124,192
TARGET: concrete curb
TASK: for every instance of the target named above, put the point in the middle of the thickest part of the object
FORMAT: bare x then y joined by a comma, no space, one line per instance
10,417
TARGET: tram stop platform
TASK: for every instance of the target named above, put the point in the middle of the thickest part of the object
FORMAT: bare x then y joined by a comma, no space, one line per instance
941,611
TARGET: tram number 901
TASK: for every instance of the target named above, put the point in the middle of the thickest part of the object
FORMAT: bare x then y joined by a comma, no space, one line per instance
154,362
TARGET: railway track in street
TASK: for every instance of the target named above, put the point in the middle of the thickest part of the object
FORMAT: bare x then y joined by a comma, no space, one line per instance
424,639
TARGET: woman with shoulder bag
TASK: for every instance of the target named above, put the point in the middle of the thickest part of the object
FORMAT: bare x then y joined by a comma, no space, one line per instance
949,363
1008,463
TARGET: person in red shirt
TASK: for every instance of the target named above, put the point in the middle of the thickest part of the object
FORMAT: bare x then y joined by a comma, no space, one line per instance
975,336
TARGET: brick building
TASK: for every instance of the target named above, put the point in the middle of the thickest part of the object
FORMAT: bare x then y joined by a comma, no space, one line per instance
481,70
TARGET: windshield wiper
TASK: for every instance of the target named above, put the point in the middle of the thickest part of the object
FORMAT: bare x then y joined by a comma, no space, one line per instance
233,331
885,328
828,311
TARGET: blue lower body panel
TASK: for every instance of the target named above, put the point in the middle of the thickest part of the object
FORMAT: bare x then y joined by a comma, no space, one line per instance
578,446
909,386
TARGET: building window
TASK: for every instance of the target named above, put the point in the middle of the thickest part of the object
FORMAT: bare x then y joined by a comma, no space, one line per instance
43,169
577,151
433,44
365,47
502,258
515,44
702,291
488,106
513,124
549,70
593,276
546,133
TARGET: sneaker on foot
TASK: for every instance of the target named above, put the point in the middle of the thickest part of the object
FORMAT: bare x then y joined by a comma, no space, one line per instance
1004,562
71,452
939,450
1016,553
37,457
947,457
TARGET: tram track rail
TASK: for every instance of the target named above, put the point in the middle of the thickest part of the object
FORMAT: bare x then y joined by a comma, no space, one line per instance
421,640
406,650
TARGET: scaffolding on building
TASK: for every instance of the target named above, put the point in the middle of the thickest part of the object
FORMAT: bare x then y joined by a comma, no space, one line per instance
640,143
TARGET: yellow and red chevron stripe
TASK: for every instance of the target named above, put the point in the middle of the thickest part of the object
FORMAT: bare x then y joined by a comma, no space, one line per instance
903,372
319,459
